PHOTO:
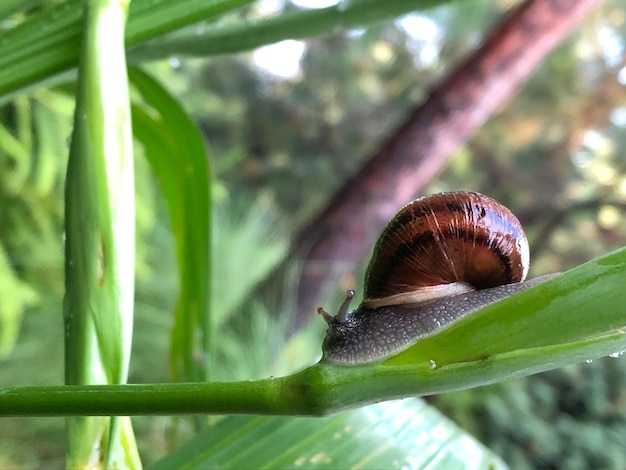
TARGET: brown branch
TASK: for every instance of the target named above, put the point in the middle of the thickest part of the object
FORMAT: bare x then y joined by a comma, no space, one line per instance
421,147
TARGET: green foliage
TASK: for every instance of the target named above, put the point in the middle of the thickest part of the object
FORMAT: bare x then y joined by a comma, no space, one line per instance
575,408
100,238
31,208
178,157
247,33
271,140
18,296
46,44
251,230
368,438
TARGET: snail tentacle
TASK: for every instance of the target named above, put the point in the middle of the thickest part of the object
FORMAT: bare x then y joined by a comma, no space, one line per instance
342,314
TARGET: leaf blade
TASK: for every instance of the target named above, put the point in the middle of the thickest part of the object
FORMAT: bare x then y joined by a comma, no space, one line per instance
177,154
100,234
372,437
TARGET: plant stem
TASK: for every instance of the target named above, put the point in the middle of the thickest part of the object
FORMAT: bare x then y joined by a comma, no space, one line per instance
100,236
319,390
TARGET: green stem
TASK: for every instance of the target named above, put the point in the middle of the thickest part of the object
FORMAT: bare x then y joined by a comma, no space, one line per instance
100,236
320,390
246,34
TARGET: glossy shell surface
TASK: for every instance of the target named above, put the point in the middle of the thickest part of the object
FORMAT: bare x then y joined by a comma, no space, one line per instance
445,238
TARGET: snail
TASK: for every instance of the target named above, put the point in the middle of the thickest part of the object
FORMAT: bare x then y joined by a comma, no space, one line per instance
439,259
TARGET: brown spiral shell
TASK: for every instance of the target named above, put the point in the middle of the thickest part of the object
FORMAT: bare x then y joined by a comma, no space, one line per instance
440,259
456,237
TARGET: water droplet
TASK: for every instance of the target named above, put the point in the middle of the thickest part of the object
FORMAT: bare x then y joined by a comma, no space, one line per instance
589,361
175,62
617,354
433,365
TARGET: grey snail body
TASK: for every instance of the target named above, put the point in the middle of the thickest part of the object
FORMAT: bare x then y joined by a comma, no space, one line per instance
439,259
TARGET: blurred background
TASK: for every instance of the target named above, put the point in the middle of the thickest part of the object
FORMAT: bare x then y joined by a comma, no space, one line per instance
286,125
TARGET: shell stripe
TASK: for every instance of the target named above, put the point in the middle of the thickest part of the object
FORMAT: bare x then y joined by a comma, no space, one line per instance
406,252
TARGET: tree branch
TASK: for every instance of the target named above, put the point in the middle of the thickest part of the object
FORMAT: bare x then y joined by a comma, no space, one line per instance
421,147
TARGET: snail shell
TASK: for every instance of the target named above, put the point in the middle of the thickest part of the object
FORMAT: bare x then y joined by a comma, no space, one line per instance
439,259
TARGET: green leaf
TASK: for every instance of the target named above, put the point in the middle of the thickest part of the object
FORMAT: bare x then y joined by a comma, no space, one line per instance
256,235
47,43
17,296
44,48
179,159
398,434
246,33
9,7
100,231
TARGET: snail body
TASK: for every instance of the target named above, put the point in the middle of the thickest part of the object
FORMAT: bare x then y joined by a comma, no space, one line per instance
439,259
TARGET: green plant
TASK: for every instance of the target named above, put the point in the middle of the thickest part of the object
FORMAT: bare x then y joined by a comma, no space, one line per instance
525,343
